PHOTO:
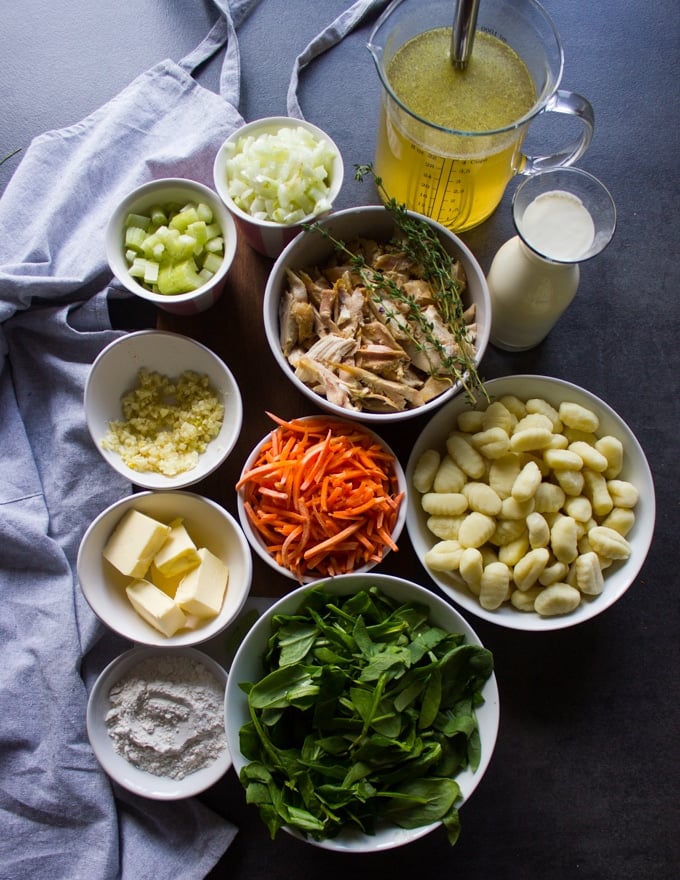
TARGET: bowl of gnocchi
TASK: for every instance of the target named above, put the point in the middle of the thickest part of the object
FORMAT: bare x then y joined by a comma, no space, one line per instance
534,509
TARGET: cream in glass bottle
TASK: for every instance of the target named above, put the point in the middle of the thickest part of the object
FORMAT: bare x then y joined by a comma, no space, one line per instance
562,218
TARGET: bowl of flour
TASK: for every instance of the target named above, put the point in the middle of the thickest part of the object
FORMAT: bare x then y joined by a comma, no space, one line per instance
155,721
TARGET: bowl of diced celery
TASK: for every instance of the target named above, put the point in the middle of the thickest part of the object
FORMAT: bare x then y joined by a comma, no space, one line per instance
172,242
274,175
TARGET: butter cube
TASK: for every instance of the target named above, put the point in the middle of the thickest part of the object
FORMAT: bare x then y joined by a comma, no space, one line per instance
155,607
178,554
202,589
134,543
167,584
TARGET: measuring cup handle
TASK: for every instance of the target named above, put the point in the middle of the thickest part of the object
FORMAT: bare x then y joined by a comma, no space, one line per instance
570,104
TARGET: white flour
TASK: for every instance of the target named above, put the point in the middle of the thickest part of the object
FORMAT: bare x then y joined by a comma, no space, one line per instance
166,716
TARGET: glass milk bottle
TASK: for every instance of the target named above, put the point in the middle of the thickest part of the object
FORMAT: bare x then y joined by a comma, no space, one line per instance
562,217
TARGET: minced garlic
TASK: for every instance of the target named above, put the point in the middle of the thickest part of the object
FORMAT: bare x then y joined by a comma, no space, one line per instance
167,422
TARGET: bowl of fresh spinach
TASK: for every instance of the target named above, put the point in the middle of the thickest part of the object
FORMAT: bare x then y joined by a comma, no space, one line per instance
361,713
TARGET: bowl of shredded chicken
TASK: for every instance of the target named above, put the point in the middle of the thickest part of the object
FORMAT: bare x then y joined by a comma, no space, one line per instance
378,315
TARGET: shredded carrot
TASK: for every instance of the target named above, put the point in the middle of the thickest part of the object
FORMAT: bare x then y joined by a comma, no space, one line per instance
323,496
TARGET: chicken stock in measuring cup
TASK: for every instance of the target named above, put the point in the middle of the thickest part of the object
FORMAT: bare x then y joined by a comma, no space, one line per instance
450,140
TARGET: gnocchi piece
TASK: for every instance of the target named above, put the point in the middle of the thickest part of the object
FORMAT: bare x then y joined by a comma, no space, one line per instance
563,459
612,449
538,405
559,598
578,507
549,498
564,539
531,437
621,519
538,529
589,455
623,493
588,574
444,503
497,415
533,420
445,527
513,551
595,488
425,470
471,567
449,477
523,600
481,497
476,529
465,455
470,421
491,443
494,586
507,531
570,482
529,568
444,556
502,474
553,574
527,482
582,418
511,508
514,405
609,543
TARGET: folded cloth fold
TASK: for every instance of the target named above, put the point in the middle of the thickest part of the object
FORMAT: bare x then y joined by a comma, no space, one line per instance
59,813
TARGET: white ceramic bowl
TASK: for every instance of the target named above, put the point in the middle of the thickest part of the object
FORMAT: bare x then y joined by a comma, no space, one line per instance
311,249
114,372
161,192
140,782
255,539
247,667
208,524
617,578
266,236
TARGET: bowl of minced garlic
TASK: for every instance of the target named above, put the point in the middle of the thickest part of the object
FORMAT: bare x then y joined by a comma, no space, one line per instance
163,410
155,721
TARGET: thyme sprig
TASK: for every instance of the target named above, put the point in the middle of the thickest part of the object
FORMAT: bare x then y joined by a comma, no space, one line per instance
421,244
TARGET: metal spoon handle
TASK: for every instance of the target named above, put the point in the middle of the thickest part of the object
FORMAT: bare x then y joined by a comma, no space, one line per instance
463,33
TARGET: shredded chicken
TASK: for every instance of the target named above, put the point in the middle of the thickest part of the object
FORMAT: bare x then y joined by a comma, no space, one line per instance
362,349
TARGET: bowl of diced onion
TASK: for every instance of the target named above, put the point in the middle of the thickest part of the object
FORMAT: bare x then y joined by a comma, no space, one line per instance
172,241
275,174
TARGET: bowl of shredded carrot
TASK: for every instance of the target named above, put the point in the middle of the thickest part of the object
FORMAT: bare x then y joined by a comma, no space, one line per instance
320,496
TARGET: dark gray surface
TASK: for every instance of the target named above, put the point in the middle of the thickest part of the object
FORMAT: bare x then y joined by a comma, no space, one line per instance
584,781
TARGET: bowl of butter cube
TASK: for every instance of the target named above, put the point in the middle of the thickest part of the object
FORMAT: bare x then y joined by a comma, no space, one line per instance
172,242
533,509
165,568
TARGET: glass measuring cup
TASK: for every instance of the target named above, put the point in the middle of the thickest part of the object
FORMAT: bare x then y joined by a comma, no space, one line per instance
457,176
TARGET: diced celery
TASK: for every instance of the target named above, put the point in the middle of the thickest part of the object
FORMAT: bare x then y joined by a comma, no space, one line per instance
215,245
138,267
198,231
175,249
212,230
151,272
140,220
158,216
134,238
184,218
212,262
204,212
178,278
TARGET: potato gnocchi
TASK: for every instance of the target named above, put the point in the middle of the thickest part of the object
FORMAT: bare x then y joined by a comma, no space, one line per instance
528,504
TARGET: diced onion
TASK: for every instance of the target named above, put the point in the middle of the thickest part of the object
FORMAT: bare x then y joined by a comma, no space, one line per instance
282,177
